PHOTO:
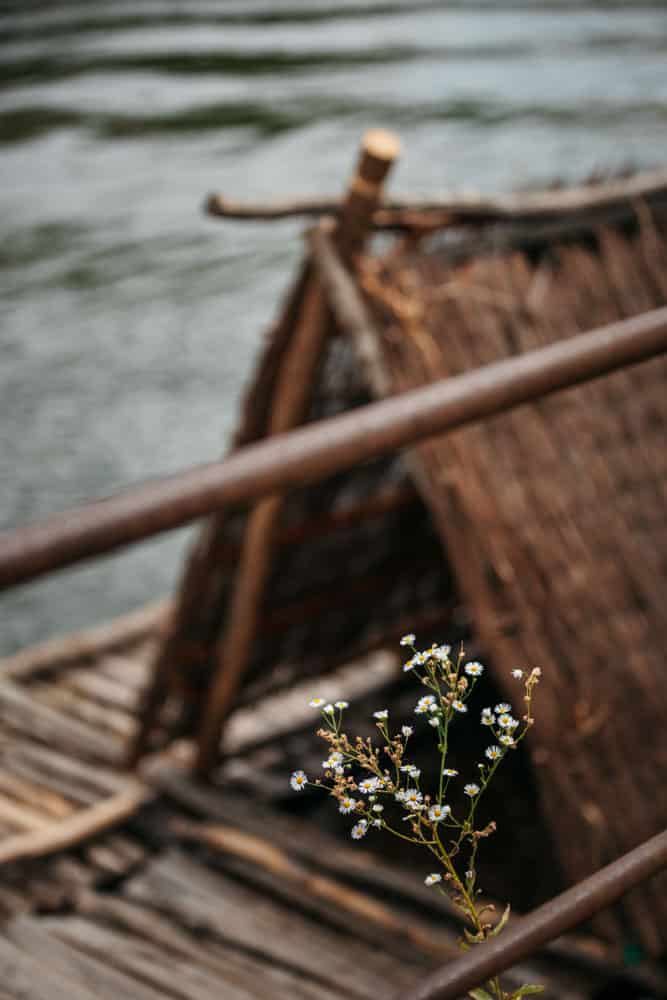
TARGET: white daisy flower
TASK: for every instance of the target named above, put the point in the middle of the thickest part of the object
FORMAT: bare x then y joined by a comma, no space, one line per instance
424,704
506,739
341,704
449,772
316,702
471,789
407,731
458,706
328,709
420,658
432,879
502,708
434,721
412,798
382,714
442,653
347,805
517,673
298,781
378,808
409,664
359,829
368,785
493,753
408,640
400,795
376,822
474,669
437,813
507,722
335,759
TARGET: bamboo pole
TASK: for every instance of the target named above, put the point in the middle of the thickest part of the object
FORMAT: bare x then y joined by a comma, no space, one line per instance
80,826
402,213
311,453
529,933
292,395
197,590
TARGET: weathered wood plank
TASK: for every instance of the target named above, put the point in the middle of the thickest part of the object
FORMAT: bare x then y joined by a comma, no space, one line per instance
231,912
87,976
21,712
28,978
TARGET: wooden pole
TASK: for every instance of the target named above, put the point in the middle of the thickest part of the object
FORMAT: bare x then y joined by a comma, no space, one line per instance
549,921
402,213
309,453
290,402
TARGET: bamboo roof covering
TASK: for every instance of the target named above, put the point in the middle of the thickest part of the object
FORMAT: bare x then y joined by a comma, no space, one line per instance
553,517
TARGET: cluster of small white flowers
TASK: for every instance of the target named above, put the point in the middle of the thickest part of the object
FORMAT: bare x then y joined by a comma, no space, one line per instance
450,683
426,704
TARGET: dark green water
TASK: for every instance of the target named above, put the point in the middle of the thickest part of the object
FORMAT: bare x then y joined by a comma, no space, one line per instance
129,321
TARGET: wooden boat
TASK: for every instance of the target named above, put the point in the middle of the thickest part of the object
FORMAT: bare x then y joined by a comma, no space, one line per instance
538,536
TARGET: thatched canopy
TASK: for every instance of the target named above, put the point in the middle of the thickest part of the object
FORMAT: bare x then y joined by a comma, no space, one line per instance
553,517
540,533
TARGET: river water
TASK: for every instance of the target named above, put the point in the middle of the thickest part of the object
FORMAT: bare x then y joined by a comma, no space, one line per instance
129,321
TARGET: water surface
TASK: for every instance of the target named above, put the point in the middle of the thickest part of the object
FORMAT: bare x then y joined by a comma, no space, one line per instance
129,321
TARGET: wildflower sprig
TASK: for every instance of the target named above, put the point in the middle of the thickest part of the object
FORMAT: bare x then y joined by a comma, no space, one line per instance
379,787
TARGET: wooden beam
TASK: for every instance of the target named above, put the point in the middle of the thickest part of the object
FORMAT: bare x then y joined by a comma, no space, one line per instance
311,453
290,402
402,213
80,826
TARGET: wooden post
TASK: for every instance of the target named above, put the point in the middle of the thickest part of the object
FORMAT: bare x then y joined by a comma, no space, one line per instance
292,395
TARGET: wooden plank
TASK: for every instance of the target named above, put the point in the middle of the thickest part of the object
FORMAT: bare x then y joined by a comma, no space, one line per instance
78,827
86,644
221,907
240,973
28,978
87,976
19,711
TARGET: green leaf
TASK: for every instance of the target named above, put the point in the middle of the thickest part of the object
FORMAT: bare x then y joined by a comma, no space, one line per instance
501,923
480,995
525,991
